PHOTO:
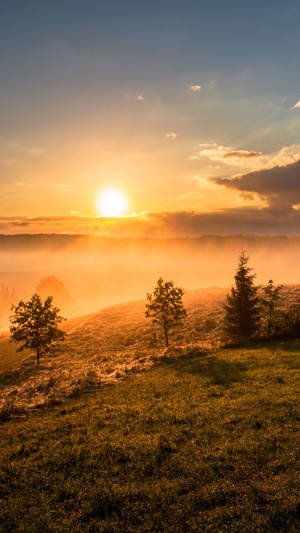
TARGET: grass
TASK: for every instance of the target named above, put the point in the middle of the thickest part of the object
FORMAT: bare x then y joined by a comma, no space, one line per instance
206,443
9,356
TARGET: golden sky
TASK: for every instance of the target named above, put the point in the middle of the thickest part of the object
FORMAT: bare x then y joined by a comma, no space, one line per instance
178,109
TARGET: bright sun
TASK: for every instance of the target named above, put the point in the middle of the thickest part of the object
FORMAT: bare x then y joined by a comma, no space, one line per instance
111,203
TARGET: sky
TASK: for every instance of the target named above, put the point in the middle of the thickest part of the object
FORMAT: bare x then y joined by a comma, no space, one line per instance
189,109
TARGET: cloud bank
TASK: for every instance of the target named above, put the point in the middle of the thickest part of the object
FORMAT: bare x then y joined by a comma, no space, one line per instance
279,186
247,221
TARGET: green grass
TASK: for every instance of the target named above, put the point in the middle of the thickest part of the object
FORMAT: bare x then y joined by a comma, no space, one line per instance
201,444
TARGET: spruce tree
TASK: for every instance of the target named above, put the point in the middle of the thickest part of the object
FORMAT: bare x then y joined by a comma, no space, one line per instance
271,314
241,320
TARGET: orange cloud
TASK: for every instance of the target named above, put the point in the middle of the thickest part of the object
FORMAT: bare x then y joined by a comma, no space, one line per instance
297,105
195,88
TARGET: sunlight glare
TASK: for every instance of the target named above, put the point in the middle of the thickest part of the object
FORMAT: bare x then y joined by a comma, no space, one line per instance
111,203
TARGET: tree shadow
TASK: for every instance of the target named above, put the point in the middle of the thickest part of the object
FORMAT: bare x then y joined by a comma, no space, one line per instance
218,371
286,345
275,344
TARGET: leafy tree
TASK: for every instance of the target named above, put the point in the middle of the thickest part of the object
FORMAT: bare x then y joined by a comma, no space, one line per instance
35,323
165,306
269,304
241,320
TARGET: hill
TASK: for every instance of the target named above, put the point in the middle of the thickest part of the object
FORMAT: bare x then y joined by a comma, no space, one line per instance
107,346
206,443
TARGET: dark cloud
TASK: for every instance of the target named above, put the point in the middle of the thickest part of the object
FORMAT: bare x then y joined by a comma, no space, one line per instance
279,185
242,154
247,221
22,224
230,222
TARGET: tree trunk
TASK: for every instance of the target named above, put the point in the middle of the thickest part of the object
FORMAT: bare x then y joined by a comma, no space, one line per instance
38,354
166,334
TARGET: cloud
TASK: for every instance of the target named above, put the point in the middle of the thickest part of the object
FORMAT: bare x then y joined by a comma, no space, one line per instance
140,97
226,154
247,221
22,224
296,106
195,88
242,154
171,135
279,185
253,159
235,221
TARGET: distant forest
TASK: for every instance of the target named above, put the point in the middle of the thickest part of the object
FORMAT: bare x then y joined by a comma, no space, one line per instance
62,240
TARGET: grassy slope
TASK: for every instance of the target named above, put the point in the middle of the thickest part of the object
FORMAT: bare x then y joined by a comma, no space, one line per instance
103,346
108,346
207,443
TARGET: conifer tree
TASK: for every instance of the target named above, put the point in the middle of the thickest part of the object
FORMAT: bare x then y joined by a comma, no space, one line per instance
242,310
269,303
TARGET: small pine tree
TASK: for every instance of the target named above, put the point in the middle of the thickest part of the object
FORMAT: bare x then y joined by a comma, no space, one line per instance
35,323
165,306
241,320
269,304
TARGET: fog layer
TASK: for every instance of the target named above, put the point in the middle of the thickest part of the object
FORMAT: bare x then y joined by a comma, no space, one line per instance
98,272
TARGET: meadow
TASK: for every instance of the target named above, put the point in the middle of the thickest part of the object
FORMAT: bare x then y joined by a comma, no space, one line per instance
207,442
115,433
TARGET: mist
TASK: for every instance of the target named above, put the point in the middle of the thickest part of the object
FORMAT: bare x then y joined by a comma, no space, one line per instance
99,272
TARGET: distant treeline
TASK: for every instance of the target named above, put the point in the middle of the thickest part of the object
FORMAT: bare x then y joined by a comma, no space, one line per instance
36,241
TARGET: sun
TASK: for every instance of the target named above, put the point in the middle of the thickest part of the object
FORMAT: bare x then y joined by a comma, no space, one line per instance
111,203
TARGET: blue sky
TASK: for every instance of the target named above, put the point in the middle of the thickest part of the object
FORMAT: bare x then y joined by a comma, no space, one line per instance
127,93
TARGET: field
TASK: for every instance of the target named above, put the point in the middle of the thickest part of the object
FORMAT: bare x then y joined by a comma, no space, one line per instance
207,442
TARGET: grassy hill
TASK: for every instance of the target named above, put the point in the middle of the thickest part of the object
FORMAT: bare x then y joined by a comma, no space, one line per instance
108,346
206,443
100,348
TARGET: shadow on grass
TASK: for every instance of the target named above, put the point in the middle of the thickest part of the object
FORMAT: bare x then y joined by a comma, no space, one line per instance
275,344
18,375
218,371
286,345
